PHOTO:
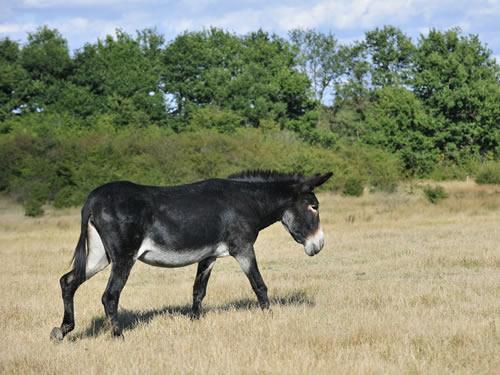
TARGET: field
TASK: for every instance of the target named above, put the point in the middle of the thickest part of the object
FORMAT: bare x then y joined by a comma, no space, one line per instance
402,286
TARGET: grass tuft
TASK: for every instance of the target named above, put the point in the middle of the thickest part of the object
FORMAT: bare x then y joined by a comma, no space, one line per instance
434,194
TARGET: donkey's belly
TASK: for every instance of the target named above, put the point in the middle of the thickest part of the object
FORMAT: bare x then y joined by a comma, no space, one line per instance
157,255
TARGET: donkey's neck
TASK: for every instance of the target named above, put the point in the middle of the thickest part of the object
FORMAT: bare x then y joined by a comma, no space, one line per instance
269,204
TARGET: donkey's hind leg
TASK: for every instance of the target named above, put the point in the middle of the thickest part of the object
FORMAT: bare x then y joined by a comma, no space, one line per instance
97,260
69,285
119,275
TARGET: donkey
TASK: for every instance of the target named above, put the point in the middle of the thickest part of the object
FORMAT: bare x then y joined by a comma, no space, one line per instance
122,222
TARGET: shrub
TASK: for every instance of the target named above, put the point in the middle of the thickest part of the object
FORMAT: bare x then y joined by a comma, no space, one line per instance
306,128
489,173
353,186
43,162
379,169
212,117
434,194
33,208
449,171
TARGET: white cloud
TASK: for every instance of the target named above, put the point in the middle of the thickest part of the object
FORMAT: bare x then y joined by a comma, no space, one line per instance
349,14
487,8
199,4
238,21
242,21
80,25
339,14
84,20
81,30
80,3
180,25
14,28
56,3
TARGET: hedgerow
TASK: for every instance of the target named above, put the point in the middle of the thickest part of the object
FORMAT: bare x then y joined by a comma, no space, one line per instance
42,162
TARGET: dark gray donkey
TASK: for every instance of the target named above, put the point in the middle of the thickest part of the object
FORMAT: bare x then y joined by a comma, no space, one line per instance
176,226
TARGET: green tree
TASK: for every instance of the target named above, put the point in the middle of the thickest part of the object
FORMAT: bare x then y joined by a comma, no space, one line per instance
15,82
352,93
252,75
46,56
197,67
319,57
459,82
390,52
279,93
28,73
151,44
397,121
122,76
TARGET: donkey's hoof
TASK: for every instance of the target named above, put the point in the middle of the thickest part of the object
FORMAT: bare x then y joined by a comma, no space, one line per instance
265,306
56,334
268,311
118,336
194,316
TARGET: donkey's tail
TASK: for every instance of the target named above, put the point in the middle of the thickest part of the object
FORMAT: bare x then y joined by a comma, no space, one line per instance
80,255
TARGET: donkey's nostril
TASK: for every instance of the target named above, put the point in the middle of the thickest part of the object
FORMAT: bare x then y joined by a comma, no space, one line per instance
314,243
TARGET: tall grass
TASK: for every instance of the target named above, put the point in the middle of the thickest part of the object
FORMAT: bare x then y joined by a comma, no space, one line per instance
402,286
489,173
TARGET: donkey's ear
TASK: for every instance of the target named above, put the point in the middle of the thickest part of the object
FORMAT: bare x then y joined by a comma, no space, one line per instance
317,180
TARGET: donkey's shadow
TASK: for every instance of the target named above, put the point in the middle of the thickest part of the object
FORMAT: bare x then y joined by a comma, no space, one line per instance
130,319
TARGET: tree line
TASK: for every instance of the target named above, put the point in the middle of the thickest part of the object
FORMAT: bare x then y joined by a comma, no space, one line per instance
429,103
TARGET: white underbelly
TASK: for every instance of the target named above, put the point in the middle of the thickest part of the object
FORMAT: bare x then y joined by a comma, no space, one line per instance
157,255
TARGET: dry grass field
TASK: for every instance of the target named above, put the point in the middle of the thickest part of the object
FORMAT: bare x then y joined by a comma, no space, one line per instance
402,286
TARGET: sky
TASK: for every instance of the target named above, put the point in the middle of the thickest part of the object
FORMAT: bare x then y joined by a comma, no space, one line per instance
81,21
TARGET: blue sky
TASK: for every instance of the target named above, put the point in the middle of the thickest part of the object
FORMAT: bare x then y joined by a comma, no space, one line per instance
83,21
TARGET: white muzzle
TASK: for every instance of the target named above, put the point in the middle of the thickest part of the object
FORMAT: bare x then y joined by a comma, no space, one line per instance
315,243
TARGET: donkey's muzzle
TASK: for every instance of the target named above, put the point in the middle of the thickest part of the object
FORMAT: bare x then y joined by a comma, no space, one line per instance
315,243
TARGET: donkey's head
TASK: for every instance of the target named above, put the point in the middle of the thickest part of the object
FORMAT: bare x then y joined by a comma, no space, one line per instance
301,217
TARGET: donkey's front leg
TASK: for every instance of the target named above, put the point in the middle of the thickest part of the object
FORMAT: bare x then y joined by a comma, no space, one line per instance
200,284
248,264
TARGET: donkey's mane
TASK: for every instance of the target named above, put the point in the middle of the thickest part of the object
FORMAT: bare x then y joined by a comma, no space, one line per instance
266,176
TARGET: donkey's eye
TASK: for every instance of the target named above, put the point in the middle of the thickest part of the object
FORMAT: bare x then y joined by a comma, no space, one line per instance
313,207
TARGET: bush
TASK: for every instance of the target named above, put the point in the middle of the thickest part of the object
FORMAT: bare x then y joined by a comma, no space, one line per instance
43,162
452,171
33,208
380,170
306,128
434,194
212,117
489,173
353,187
